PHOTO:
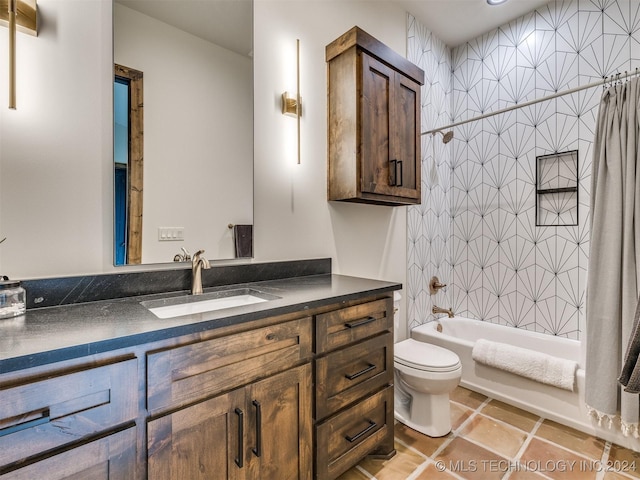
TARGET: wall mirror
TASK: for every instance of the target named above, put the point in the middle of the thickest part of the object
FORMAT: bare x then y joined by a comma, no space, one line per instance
184,176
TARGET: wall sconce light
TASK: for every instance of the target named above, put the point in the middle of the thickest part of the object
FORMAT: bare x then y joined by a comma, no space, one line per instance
21,15
292,104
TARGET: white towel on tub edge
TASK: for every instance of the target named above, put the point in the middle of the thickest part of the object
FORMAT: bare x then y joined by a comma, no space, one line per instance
537,366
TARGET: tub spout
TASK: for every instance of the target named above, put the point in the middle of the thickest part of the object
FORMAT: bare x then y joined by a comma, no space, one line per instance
435,310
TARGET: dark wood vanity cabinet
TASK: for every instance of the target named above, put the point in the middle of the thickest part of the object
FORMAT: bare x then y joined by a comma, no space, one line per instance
374,113
302,395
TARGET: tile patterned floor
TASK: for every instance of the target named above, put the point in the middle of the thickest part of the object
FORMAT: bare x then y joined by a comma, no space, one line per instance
493,440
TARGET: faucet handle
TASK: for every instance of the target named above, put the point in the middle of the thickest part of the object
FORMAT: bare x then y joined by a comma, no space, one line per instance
185,256
435,285
198,258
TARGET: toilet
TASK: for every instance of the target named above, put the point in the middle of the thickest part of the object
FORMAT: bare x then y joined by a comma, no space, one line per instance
425,374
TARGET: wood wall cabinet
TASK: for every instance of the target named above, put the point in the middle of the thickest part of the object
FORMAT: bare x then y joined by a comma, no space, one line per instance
374,114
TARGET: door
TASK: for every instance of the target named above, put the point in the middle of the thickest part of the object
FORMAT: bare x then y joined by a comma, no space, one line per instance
204,441
279,427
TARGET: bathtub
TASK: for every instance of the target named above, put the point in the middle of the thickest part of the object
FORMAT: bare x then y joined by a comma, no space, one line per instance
562,406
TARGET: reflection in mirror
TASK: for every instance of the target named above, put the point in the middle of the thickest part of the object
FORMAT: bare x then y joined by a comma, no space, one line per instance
198,129
128,144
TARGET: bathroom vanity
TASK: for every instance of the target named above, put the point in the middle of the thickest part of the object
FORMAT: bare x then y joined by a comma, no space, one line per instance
299,386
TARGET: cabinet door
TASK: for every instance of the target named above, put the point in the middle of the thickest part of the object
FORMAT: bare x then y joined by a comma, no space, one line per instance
280,426
405,137
204,441
109,458
376,107
390,136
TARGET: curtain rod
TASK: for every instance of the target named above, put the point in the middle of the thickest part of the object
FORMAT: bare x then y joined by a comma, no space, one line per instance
604,81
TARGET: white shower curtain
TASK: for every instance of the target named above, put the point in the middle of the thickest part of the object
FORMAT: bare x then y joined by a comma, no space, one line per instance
614,255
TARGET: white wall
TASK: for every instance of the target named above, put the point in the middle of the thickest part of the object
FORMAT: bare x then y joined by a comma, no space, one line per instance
64,121
292,216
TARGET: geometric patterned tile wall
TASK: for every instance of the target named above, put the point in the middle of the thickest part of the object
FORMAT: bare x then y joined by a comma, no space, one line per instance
499,266
429,224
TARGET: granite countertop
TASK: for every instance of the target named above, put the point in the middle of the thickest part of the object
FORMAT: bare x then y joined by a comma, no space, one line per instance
51,334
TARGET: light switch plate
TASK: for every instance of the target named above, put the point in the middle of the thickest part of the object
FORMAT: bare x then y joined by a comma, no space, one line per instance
170,234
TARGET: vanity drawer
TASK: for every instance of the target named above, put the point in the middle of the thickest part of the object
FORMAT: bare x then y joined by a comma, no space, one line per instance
346,375
41,415
351,435
348,325
112,457
190,373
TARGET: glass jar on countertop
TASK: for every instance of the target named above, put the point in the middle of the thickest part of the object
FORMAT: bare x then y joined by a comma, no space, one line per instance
13,299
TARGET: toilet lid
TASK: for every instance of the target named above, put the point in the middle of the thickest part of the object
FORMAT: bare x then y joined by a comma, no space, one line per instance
425,356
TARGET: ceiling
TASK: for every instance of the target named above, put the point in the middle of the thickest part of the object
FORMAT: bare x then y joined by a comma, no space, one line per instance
229,22
458,21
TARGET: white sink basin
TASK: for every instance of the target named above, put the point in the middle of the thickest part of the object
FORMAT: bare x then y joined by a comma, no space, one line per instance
191,304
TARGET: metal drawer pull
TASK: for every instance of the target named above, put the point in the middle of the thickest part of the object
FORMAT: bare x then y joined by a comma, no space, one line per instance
371,426
42,417
258,450
399,164
393,166
240,457
361,322
361,372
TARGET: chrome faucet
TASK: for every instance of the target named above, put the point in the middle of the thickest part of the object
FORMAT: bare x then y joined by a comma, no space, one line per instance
197,264
448,311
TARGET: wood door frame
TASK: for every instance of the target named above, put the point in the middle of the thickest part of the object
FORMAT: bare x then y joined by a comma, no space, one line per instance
136,162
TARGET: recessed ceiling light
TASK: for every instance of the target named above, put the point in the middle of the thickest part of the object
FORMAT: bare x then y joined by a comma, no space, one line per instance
496,2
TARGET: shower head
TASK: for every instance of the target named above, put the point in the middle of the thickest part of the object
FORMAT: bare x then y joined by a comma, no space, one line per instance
446,137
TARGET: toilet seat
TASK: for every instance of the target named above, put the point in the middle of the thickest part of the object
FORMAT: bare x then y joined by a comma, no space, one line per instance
425,356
